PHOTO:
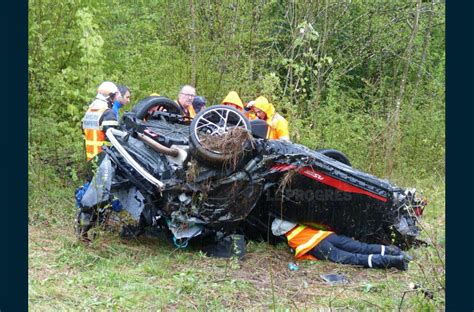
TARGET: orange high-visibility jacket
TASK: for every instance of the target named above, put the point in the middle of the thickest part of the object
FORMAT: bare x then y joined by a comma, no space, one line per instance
303,238
191,111
92,124
278,126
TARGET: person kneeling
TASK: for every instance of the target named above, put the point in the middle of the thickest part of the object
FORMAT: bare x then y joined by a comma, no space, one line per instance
313,244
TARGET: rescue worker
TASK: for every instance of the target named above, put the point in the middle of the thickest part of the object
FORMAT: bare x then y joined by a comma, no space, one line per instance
98,118
185,99
310,243
199,103
122,100
278,126
248,111
232,99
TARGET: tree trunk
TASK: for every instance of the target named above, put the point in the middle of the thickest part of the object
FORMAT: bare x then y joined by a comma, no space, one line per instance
193,43
321,53
394,122
426,41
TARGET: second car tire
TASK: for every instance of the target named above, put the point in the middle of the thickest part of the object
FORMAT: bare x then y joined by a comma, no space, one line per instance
142,108
336,155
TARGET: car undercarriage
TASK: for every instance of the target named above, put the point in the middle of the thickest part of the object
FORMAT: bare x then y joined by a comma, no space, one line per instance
217,176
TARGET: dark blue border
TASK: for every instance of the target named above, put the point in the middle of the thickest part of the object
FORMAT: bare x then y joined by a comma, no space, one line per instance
459,156
13,162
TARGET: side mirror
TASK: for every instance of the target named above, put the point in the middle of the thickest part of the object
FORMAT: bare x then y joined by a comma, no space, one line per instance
259,128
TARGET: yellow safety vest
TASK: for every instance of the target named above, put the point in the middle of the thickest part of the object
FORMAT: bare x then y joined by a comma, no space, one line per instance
303,238
93,134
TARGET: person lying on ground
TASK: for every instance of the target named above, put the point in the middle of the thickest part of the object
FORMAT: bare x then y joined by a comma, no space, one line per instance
310,243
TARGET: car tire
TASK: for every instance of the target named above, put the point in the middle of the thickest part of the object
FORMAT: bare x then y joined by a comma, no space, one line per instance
143,107
336,155
234,117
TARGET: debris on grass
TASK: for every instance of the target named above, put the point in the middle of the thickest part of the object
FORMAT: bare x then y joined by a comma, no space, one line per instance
334,279
368,287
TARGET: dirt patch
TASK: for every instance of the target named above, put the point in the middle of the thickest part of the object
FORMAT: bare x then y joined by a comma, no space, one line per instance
268,271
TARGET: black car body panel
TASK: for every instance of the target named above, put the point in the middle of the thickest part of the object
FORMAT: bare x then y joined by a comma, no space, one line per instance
278,179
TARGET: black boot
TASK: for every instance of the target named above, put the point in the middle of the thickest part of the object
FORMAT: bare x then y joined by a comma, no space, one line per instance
392,250
395,251
400,262
385,262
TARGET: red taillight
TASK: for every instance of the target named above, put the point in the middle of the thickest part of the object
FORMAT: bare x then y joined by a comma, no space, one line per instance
418,211
420,207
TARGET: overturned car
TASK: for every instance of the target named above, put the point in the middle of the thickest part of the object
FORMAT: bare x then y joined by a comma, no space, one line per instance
217,175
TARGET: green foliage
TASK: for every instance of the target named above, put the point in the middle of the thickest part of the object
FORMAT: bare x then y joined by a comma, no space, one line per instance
333,70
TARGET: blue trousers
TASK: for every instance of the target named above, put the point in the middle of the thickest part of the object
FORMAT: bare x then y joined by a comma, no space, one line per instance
345,250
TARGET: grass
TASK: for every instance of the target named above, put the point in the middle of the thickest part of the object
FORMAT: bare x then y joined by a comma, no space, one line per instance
148,274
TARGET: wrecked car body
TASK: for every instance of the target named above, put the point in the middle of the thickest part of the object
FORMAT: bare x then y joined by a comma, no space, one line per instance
217,176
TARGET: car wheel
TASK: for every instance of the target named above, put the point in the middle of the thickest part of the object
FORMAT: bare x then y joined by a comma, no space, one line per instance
219,135
150,104
336,155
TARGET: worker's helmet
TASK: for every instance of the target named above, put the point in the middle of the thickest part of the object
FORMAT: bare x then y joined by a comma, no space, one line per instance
107,89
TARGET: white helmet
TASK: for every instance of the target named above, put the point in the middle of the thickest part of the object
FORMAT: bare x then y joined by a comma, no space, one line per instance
107,88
